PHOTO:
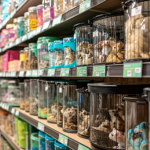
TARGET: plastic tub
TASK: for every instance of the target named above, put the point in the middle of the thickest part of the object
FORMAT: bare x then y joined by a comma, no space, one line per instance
34,141
49,142
42,143
59,146
27,95
22,95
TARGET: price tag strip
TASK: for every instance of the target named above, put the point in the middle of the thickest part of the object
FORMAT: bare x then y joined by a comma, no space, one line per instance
84,6
46,25
56,20
25,37
99,71
18,41
13,111
28,73
63,139
40,72
51,72
21,73
81,71
41,126
81,147
3,74
17,113
132,69
64,72
38,30
34,73
13,74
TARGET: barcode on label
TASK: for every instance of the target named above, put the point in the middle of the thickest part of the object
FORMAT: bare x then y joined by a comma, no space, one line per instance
136,11
97,73
137,70
129,73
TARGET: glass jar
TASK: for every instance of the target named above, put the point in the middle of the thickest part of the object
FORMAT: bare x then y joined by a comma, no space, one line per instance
51,102
27,95
4,91
137,30
26,59
51,55
59,146
68,5
40,15
11,33
26,22
107,114
136,123
49,142
22,95
108,38
59,54
69,50
33,55
34,97
42,144
34,141
42,93
32,18
21,27
15,23
83,112
84,44
22,59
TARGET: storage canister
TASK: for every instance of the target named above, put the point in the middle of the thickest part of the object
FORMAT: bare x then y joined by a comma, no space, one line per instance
22,59
21,27
26,22
15,27
42,143
34,141
26,59
51,55
49,142
40,15
59,146
27,95
22,95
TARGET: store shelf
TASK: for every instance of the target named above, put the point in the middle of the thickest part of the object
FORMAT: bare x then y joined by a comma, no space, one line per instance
10,140
73,139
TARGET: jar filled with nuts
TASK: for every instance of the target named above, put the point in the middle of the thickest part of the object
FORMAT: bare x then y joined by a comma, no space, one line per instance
22,95
27,95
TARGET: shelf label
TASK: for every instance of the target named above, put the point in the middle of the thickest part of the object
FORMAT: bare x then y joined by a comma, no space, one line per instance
6,47
7,107
28,73
38,30
34,73
136,11
51,72
81,147
7,74
17,113
132,69
40,72
41,126
13,13
13,74
18,41
56,20
63,139
25,37
13,111
84,6
21,73
11,44
64,72
99,71
46,25
31,34
3,74
81,71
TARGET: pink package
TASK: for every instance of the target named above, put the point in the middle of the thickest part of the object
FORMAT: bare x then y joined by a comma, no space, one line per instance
10,55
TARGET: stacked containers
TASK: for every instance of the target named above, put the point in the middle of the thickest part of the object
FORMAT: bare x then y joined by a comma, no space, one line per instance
42,95
34,141
22,59
27,95
137,30
84,44
42,144
34,97
51,55
108,38
22,95
26,59
40,15
51,102
21,26
49,143
83,113
69,52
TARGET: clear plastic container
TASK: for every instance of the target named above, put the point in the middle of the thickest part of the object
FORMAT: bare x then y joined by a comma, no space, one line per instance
15,23
137,130
16,130
52,102
84,44
42,93
58,7
34,141
26,22
69,52
34,97
107,114
22,59
83,113
27,95
68,4
22,95
42,142
108,40
59,54
4,91
33,21
21,26
26,62
49,142
40,15
59,146
137,30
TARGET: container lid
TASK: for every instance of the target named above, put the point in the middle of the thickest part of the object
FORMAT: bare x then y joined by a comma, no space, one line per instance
26,48
49,138
32,45
60,145
69,39
35,136
129,2
51,46
80,25
41,134
58,44
15,20
9,26
26,14
107,15
40,7
116,88
20,19
30,9
137,99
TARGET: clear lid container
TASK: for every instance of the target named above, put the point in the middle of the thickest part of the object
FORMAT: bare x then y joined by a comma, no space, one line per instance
49,142
22,95
27,95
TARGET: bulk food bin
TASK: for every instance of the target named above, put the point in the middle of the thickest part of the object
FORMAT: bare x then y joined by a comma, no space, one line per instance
34,97
42,96
51,102
42,144
137,30
4,91
22,59
27,95
22,95
107,114
108,40
69,52
51,55
34,141
16,130
49,142
26,59
84,44
59,146
83,112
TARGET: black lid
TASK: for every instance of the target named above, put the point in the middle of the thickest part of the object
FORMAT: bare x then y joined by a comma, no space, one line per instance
80,25
136,99
108,15
129,2
115,88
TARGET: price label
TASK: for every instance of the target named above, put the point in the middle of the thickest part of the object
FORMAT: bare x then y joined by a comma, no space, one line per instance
31,34
3,74
41,126
46,25
34,73
13,111
13,74
38,30
13,13
21,73
25,37
132,69
28,73
81,147
64,72
51,72
99,71
63,139
40,72
11,44
84,6
17,113
81,71
136,11
6,47
18,41
7,74
57,20
7,107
